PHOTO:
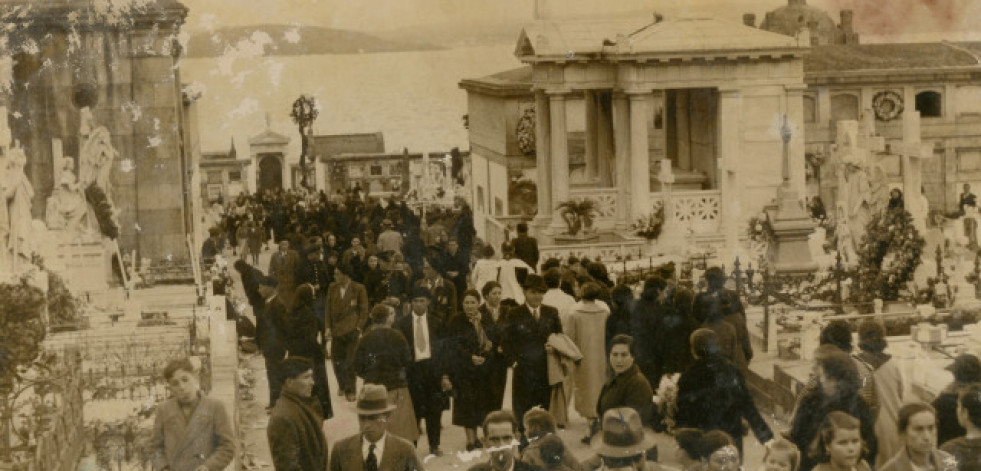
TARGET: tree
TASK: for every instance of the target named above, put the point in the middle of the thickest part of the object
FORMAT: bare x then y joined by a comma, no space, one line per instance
21,332
304,113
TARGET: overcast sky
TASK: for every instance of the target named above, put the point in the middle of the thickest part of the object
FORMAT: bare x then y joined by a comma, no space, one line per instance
872,16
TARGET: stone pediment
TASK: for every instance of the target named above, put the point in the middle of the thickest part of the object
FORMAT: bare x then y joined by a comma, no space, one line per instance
269,138
695,35
682,37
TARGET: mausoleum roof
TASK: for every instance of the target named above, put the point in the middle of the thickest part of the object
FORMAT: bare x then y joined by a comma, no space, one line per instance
507,83
856,58
269,137
698,37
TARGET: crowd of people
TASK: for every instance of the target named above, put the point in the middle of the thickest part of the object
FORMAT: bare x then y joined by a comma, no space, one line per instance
397,299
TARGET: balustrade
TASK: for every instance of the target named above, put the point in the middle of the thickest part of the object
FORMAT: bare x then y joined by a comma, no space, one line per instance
699,211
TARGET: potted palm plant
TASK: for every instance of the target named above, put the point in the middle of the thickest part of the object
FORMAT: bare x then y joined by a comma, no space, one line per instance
578,217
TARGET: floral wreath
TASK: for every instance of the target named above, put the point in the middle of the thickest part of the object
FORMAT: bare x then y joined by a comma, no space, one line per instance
888,105
888,255
525,131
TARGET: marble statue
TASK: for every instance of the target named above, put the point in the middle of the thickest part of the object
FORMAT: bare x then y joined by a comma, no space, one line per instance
18,192
67,209
96,155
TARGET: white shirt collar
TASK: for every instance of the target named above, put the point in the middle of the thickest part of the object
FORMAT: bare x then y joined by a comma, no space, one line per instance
379,448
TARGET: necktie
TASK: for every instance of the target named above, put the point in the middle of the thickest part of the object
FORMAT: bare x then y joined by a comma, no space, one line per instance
371,463
534,313
421,339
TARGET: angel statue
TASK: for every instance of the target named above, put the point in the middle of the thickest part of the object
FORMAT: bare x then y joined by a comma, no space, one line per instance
15,213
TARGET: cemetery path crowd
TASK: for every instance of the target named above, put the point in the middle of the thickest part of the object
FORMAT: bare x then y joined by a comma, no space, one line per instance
253,419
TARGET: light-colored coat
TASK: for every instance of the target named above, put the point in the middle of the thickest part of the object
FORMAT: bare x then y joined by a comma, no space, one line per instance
399,455
587,328
205,439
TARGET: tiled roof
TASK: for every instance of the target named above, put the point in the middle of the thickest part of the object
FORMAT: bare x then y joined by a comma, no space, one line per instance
635,37
902,56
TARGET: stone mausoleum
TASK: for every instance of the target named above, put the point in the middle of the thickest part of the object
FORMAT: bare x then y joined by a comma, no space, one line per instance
74,57
599,105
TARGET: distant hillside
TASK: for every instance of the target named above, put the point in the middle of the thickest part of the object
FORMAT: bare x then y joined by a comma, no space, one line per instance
457,34
292,40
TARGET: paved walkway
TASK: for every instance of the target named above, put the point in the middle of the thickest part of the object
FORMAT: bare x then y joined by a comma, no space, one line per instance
253,420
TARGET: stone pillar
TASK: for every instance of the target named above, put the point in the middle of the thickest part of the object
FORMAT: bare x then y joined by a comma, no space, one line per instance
795,121
640,164
604,140
542,161
559,153
730,142
621,144
589,99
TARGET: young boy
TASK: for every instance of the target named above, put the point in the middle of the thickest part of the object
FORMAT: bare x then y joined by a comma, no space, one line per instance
191,432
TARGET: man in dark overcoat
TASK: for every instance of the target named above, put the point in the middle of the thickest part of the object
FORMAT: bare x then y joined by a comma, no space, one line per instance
270,334
295,431
526,330
347,313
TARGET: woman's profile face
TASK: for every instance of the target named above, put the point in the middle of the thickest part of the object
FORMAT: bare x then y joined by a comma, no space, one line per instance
828,384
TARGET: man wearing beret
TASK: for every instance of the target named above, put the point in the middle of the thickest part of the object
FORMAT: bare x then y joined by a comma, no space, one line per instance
526,330
295,431
428,375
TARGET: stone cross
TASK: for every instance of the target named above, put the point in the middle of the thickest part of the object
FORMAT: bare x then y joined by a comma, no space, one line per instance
913,151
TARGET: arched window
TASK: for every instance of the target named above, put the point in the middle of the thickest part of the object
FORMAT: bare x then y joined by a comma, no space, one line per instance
929,104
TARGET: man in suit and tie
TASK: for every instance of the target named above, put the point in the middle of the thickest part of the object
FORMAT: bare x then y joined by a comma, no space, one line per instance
270,332
500,438
374,449
444,295
347,312
526,247
282,267
428,375
295,431
526,329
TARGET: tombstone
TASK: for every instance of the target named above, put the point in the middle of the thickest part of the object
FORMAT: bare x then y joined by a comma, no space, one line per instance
913,152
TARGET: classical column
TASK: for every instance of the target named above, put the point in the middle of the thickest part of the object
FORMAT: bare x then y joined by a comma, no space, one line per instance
640,164
604,140
589,99
730,142
559,152
621,144
542,161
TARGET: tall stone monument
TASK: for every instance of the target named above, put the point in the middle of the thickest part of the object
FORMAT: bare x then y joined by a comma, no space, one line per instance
119,61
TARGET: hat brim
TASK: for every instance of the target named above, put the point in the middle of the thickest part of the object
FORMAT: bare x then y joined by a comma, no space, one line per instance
361,411
602,449
951,367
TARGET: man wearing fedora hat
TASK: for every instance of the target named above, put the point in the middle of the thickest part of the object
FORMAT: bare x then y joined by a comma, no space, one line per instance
624,441
373,448
428,373
526,329
295,431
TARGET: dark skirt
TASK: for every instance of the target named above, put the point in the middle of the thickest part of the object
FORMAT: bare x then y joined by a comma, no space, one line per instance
472,398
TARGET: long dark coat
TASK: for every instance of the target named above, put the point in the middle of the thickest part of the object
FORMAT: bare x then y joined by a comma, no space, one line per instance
712,395
524,344
469,380
295,433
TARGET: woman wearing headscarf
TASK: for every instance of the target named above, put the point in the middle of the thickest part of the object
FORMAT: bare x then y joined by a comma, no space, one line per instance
470,347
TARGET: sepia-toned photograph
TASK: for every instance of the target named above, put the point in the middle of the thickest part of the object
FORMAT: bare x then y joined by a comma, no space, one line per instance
490,235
